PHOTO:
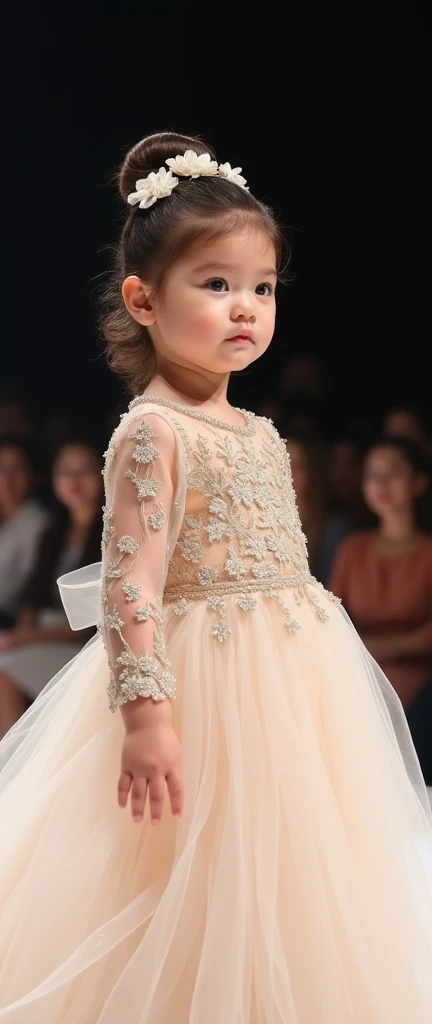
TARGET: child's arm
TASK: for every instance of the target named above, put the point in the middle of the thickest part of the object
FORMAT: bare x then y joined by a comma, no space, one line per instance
141,493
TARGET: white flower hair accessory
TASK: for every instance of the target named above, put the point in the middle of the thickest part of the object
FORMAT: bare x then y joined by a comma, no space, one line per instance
159,184
155,186
231,174
192,165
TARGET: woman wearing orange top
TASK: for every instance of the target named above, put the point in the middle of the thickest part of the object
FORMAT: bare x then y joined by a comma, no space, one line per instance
384,577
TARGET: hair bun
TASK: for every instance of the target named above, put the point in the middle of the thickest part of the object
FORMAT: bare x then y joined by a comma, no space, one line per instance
151,153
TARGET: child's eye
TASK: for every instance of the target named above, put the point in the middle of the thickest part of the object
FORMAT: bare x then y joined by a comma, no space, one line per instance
264,289
217,285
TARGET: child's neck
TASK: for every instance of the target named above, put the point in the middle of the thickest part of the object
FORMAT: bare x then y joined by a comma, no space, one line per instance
190,387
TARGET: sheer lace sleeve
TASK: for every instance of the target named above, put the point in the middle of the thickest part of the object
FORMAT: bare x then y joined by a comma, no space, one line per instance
141,493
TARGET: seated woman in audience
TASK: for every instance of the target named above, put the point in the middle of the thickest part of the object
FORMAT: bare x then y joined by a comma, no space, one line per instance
413,420
323,530
22,521
42,642
384,575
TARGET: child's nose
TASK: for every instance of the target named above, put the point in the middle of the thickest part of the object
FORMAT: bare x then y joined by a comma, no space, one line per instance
243,309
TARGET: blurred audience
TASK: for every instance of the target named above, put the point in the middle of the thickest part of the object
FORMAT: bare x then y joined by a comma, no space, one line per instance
42,642
323,528
23,519
413,420
384,577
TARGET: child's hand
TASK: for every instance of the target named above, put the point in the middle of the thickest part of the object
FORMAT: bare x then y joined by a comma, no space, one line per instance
151,758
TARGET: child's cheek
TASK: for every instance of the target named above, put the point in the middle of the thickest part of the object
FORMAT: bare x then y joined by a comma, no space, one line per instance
204,326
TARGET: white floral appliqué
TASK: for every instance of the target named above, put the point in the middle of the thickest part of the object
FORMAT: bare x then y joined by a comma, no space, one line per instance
193,165
157,185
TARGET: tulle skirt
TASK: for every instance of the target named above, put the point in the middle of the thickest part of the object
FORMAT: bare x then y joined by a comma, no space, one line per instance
295,889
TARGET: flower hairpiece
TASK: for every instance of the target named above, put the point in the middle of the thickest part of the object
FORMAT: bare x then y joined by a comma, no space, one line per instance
159,184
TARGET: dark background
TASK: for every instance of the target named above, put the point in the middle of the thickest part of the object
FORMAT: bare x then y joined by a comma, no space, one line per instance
326,108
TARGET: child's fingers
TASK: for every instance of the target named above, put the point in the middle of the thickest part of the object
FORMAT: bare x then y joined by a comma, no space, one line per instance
123,788
175,789
156,795
138,797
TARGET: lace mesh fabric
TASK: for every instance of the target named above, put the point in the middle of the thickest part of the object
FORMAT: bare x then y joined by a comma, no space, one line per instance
240,534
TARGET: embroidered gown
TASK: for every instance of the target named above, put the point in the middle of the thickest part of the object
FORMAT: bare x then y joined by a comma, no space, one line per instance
296,887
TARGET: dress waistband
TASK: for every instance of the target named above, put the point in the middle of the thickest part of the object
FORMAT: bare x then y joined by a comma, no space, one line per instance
271,584
81,590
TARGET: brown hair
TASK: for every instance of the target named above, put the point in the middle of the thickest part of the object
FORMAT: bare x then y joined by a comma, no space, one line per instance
153,239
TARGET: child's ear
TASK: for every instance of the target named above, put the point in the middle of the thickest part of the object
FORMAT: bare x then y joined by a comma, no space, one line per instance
137,297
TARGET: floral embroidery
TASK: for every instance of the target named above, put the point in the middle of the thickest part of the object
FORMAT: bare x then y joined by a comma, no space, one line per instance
191,548
221,631
113,620
246,603
145,453
127,545
146,488
143,433
216,604
234,565
248,515
206,575
254,546
132,591
158,519
219,507
146,675
264,572
108,529
240,536
142,614
216,530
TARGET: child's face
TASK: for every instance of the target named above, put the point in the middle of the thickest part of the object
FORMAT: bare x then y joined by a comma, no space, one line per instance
216,308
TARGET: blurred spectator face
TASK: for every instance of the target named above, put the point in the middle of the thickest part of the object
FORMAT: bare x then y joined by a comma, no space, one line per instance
345,470
303,375
390,483
299,469
77,476
17,478
404,423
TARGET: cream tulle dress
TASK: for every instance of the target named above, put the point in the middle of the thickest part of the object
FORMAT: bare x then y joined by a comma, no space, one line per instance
297,886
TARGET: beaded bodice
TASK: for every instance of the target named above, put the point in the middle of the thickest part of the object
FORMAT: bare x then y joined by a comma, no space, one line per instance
241,521
215,515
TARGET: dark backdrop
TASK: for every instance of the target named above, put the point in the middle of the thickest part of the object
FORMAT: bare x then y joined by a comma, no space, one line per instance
325,107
